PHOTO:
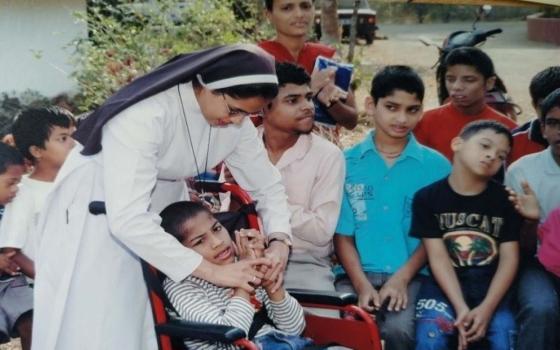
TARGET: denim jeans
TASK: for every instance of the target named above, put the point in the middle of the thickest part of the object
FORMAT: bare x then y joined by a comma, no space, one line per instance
435,315
396,328
538,311
280,341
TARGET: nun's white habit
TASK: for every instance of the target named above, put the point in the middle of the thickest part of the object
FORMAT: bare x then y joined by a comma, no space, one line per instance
89,291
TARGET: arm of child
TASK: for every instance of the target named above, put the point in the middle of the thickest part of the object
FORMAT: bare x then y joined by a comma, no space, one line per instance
193,302
368,297
527,205
479,317
7,265
286,314
342,105
314,221
395,289
445,275
26,265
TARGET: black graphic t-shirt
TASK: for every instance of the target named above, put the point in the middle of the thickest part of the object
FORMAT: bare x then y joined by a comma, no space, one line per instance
472,227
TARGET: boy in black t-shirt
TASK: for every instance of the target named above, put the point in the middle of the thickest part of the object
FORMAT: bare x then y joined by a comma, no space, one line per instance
470,231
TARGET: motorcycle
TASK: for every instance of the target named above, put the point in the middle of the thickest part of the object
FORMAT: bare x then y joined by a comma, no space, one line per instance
496,98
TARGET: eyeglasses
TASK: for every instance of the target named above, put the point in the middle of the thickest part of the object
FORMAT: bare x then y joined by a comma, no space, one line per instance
552,123
236,112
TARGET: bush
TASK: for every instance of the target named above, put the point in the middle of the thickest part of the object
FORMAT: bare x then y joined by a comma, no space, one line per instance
128,40
11,104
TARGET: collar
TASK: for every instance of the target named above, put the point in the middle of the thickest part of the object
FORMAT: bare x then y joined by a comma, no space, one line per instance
550,165
412,149
294,153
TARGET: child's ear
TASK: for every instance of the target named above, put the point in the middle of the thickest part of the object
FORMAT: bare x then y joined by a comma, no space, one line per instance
490,82
36,152
456,143
369,106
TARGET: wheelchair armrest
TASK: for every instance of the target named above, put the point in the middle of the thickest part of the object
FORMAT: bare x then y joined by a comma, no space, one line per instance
323,297
202,331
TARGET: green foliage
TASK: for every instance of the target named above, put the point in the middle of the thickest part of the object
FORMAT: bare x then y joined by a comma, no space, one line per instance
128,40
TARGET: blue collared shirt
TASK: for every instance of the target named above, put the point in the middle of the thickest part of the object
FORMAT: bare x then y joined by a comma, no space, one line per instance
377,200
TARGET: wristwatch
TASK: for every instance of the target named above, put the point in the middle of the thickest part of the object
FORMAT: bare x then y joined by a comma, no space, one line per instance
280,237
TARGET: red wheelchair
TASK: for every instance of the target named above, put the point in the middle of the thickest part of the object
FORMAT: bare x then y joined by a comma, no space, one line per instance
357,330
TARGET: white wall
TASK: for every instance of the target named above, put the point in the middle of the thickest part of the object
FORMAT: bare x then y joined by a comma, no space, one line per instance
43,27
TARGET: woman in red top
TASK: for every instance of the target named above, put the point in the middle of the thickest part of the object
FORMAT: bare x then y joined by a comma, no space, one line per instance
292,20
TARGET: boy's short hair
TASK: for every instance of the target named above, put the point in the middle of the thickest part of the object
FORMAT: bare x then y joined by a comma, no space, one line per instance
543,83
9,156
473,57
32,127
551,101
173,217
477,126
289,73
268,4
396,77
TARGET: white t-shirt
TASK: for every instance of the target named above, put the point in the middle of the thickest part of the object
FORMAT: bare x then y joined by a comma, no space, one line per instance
21,216
542,173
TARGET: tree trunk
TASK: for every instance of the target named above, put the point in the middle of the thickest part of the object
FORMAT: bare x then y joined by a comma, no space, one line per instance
353,30
329,22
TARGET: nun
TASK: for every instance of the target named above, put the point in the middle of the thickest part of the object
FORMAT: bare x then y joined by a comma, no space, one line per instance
135,151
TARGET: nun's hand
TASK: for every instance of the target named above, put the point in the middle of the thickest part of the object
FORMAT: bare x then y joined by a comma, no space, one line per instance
278,253
243,274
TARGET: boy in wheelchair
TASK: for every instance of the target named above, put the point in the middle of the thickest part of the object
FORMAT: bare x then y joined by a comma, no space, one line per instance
273,318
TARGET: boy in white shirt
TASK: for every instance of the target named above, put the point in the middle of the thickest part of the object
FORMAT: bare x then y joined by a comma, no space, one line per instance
43,136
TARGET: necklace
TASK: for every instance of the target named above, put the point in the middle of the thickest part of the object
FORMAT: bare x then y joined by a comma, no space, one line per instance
390,155
191,142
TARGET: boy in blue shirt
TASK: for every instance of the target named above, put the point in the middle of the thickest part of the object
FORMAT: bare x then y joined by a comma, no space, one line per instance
382,174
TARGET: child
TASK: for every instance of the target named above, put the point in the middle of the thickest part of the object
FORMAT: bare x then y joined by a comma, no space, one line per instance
470,231
382,174
469,73
197,300
312,172
539,305
16,300
43,136
528,138
292,20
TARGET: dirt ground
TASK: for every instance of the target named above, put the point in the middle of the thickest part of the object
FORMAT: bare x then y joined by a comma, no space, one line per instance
516,59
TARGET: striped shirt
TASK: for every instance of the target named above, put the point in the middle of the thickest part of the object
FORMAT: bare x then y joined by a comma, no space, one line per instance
201,301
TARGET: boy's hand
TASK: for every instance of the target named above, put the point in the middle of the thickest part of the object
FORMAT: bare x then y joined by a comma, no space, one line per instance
395,291
525,203
331,94
477,320
368,299
271,277
461,324
321,78
6,263
249,244
278,252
